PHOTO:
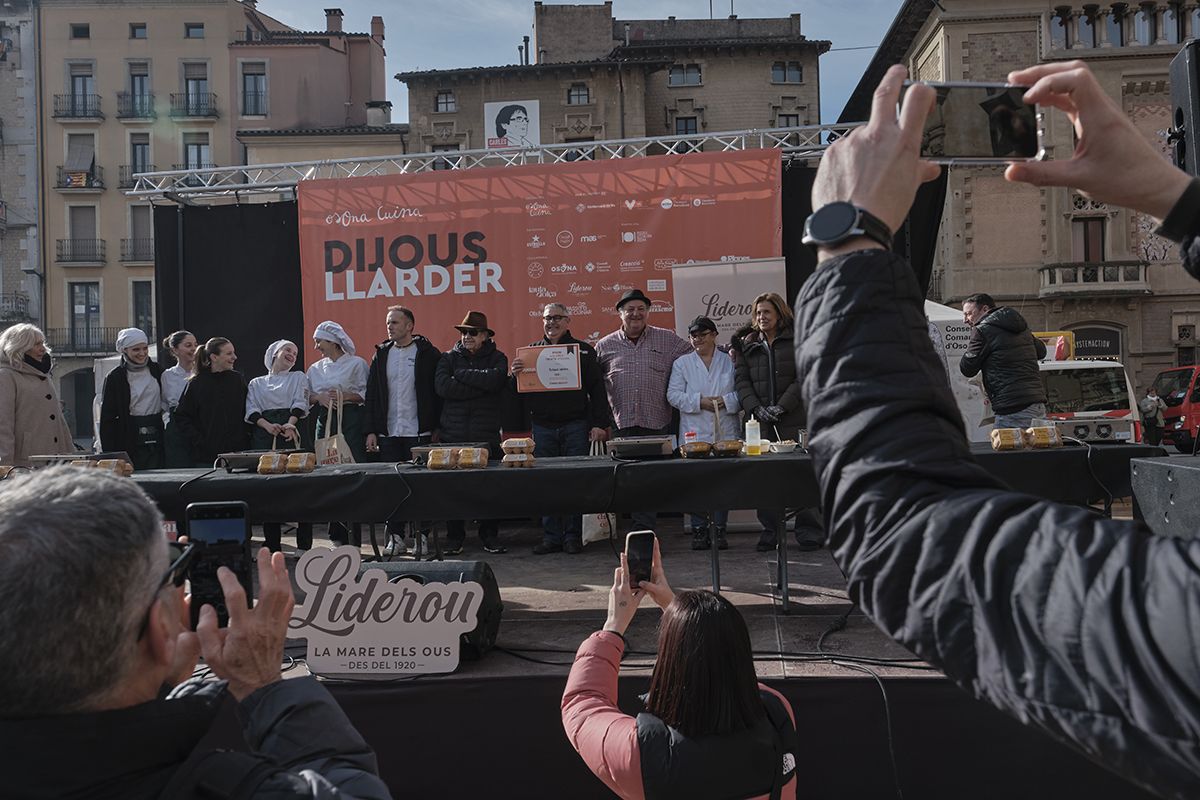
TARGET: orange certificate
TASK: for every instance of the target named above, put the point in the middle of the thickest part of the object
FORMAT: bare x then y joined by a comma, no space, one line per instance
549,368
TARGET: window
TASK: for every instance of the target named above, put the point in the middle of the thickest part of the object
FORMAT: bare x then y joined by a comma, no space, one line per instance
1087,30
196,152
79,170
143,307
445,103
193,30
684,75
139,152
578,95
1115,26
85,313
1087,239
137,30
442,163
254,89
195,88
139,102
81,30
83,98
1061,34
786,72
685,126
787,120
1145,27
1172,21
580,155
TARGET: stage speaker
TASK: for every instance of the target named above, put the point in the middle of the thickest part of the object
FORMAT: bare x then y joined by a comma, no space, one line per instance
1184,136
483,638
1165,492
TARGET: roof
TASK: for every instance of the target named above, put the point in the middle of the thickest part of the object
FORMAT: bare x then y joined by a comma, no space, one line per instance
752,41
892,48
347,130
530,68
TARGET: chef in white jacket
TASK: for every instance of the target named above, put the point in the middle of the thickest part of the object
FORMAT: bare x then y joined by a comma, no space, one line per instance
702,388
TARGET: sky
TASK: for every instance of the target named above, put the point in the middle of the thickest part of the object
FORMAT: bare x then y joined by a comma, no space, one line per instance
444,34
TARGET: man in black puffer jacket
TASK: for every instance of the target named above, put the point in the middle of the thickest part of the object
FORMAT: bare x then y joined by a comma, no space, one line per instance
1008,353
470,379
1080,626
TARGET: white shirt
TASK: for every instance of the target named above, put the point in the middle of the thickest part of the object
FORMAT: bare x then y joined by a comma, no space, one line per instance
173,380
402,391
145,395
279,390
690,381
348,373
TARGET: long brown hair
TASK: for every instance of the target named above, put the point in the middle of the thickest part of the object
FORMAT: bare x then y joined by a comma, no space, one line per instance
782,309
704,682
204,354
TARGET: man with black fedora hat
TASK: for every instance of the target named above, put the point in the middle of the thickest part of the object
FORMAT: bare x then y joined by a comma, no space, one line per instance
636,359
470,379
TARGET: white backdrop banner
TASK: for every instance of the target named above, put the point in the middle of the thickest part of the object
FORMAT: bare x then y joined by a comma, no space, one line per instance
724,291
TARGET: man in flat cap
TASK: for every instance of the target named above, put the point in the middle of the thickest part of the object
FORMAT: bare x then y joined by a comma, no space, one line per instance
636,359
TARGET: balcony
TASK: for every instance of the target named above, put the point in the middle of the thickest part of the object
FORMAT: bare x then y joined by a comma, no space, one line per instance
85,340
134,107
14,308
125,173
80,251
194,105
77,107
80,182
137,250
1103,279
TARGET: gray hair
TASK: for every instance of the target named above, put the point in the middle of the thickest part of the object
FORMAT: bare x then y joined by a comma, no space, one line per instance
81,554
18,340
566,312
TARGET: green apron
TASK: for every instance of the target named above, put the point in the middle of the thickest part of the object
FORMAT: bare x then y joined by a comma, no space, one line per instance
261,440
178,454
147,450
353,428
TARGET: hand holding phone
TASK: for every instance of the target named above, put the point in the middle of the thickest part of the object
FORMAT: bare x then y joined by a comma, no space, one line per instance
221,534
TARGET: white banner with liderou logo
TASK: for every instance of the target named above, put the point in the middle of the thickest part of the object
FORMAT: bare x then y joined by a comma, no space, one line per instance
363,626
724,291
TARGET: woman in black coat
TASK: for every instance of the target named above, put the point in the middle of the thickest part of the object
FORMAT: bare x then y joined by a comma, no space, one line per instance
470,379
131,404
769,390
211,412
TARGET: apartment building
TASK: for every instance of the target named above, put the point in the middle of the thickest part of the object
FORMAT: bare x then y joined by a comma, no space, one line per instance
20,283
589,77
129,87
1064,261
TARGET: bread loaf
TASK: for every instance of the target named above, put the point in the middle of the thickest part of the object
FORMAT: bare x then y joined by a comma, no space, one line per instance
301,462
517,460
272,464
518,446
1008,439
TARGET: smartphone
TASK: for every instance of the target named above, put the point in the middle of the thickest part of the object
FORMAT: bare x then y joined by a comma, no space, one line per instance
221,534
980,123
639,555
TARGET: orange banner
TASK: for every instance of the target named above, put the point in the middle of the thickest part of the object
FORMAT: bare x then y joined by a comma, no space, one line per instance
506,241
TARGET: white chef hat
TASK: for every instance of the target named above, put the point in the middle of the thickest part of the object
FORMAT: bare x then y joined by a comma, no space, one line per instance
273,350
130,337
332,332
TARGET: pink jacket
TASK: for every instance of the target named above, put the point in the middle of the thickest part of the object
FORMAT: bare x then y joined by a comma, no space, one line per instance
600,732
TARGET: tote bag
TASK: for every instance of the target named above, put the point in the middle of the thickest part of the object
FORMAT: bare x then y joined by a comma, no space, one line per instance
333,448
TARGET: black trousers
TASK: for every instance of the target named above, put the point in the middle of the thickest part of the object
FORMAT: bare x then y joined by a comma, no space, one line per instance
395,449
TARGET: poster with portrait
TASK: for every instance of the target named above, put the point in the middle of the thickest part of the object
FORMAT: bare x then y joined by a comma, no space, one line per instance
512,123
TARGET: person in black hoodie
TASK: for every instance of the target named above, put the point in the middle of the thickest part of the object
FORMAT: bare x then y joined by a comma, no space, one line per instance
470,380
211,412
1008,353
402,404
131,406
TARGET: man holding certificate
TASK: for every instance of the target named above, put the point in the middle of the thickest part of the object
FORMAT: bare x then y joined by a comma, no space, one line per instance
562,400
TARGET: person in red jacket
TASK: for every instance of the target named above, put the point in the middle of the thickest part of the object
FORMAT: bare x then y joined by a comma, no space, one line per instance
709,728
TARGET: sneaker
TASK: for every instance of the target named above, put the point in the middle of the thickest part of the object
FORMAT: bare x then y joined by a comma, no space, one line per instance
394,545
493,546
722,543
573,548
700,539
452,548
411,548
809,539
547,547
766,542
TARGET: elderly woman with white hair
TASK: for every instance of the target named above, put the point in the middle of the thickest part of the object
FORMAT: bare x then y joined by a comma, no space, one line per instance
340,371
132,405
275,402
31,418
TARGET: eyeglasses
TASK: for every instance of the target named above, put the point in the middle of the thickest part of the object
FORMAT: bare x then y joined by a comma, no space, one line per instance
554,318
181,561
471,332
701,334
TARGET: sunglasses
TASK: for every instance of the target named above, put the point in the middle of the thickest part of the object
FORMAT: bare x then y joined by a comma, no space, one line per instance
471,332
182,556
554,318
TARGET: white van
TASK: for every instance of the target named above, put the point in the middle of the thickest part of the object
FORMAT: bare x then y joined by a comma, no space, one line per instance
1092,401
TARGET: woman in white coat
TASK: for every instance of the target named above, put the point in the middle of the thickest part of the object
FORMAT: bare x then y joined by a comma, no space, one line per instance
702,388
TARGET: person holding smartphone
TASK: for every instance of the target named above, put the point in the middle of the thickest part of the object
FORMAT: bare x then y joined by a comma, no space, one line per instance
710,729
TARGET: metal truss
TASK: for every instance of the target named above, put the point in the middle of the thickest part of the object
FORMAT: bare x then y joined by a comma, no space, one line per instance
225,183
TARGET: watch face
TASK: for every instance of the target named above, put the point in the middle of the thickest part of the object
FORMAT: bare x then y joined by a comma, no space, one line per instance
832,222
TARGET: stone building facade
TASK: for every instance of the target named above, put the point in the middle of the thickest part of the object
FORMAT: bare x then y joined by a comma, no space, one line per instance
1064,261
594,78
20,265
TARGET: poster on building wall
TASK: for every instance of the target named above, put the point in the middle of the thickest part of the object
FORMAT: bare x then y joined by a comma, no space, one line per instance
507,241
512,123
724,291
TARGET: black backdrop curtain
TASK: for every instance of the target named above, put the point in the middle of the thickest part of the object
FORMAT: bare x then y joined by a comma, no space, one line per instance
240,276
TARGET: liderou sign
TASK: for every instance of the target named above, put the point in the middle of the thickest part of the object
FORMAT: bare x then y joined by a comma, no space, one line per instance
363,626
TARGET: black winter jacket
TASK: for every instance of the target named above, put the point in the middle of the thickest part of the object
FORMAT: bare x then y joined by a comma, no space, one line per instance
471,386
553,409
762,367
132,753
1081,626
211,415
429,405
1007,351
116,429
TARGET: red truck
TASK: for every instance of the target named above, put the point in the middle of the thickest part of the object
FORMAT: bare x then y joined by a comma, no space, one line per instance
1180,390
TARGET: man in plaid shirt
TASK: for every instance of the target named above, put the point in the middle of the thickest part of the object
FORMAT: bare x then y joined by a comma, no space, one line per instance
636,360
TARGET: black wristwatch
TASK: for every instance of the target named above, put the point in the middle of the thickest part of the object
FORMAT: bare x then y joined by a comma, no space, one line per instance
837,222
